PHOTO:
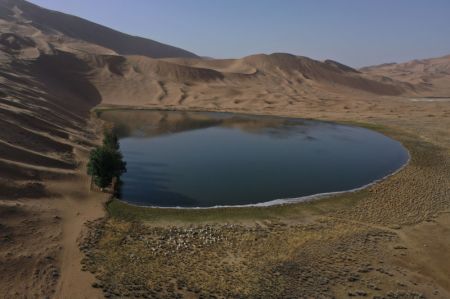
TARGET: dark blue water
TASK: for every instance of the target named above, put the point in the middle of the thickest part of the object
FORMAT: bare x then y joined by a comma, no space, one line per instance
209,159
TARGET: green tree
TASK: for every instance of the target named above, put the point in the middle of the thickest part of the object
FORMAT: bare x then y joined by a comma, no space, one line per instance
105,163
110,140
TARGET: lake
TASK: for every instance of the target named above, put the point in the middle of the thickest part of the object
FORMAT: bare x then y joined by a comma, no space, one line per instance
202,159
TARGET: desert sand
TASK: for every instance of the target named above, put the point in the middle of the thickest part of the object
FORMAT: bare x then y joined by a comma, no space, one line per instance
390,240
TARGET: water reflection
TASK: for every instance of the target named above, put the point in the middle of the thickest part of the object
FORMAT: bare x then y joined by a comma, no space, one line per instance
192,159
145,123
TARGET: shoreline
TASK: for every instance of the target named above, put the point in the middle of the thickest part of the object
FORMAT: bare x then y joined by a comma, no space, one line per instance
284,201
274,202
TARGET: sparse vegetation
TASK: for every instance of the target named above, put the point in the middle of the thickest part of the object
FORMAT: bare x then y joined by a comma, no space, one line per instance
207,252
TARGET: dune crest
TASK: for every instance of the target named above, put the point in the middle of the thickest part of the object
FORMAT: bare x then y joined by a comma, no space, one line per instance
55,68
432,74
62,30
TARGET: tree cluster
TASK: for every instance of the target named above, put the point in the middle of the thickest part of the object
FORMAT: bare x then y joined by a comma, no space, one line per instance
106,161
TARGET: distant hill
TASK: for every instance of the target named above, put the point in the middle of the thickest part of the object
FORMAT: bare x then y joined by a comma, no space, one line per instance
432,73
260,80
57,24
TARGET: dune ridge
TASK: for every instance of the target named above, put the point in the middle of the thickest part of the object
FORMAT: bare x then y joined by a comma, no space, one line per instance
55,68
62,28
269,80
433,73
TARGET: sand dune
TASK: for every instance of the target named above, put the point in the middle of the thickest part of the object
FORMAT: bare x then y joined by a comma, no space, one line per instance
57,41
220,65
44,110
433,74
60,26
55,68
259,80
41,115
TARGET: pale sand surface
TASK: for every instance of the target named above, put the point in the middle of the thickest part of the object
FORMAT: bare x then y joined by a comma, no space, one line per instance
399,226
77,206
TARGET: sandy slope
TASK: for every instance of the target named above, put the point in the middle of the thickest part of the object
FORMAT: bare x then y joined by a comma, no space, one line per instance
39,248
67,31
77,206
268,81
50,79
431,73
44,136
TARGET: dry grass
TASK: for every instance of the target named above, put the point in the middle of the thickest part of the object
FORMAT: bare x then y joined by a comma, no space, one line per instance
339,246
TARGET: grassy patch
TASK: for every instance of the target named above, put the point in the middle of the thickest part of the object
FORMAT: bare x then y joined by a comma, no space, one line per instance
121,210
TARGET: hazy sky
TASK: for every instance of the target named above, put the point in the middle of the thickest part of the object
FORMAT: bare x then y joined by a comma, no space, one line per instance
354,32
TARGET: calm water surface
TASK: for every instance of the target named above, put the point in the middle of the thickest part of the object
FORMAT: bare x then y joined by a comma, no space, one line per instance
191,159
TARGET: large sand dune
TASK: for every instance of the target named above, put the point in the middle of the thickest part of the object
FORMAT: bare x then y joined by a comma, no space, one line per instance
433,73
61,28
54,68
261,80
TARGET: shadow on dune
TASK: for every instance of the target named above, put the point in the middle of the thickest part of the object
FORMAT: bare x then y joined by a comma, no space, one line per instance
44,102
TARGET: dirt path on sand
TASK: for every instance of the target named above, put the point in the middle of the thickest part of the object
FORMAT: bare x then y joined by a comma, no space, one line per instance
77,207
